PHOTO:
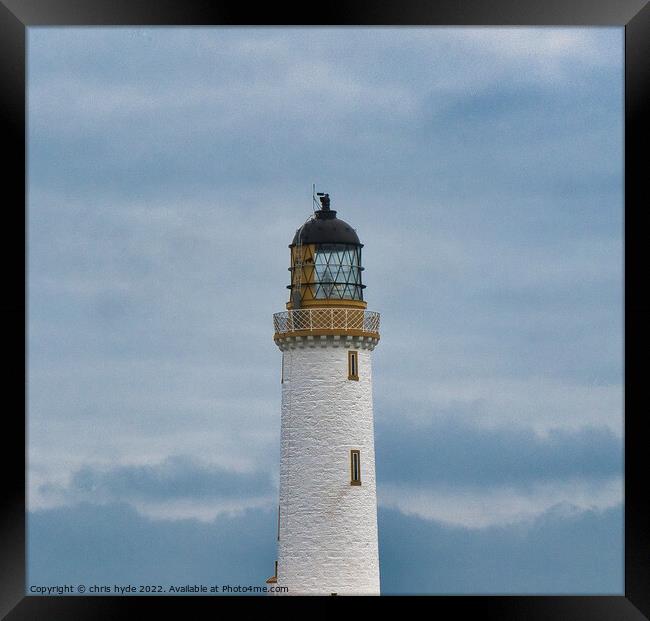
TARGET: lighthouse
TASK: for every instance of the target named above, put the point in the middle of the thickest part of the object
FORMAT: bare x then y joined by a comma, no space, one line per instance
327,513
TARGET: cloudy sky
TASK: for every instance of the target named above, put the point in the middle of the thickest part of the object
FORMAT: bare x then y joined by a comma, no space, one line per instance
481,167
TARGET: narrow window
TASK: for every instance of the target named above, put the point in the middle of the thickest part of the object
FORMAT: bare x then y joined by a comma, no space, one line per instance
353,365
282,372
355,467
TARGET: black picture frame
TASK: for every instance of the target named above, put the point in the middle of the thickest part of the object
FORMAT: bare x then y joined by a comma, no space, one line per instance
17,15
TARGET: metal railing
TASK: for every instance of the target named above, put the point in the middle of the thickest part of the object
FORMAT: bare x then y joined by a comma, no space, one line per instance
326,319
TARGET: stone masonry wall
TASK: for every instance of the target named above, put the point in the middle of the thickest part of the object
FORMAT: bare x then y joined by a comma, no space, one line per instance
328,528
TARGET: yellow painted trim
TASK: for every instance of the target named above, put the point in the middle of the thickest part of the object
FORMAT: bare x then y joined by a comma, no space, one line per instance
326,332
330,303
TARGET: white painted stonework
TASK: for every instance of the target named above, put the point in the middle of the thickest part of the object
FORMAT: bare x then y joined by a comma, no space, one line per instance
328,527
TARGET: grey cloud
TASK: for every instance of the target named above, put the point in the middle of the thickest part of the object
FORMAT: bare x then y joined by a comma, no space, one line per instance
250,110
176,478
450,451
560,553
127,548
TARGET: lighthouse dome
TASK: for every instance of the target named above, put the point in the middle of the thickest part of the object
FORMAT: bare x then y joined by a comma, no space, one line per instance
325,228
326,231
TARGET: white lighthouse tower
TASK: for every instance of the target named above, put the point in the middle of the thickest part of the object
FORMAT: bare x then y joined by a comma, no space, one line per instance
327,514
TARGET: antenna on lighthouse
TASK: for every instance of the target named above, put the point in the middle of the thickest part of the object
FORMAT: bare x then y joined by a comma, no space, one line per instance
315,205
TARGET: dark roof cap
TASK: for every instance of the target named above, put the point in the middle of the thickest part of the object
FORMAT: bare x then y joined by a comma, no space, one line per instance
326,228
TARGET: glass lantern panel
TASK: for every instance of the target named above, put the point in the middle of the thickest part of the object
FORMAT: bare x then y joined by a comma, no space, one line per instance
337,273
